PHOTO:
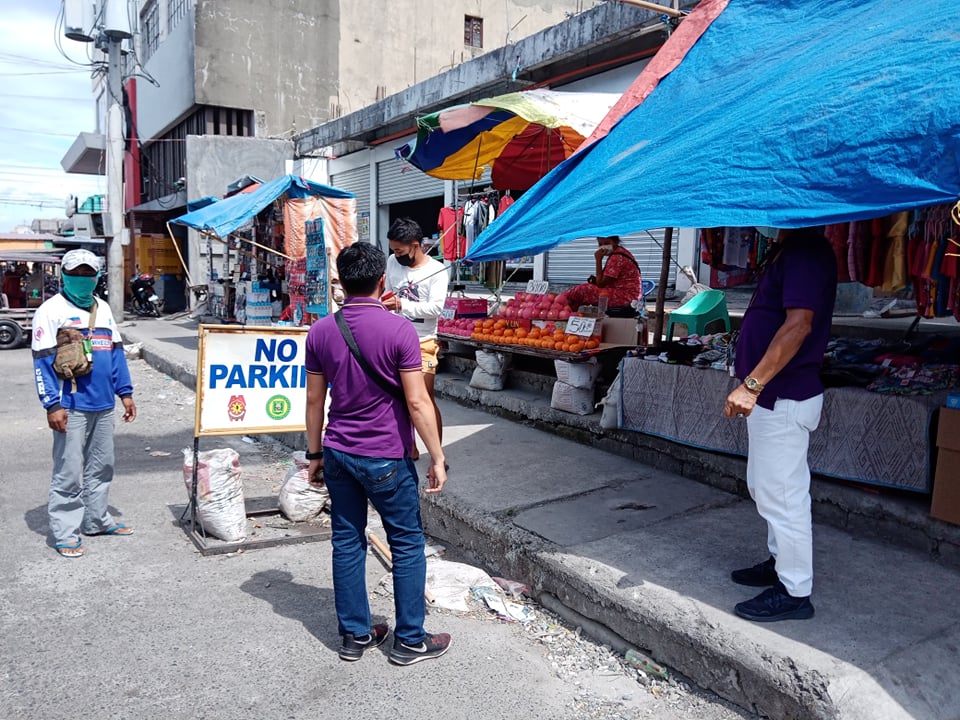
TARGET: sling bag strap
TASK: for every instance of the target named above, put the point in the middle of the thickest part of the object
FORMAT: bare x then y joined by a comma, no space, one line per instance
392,390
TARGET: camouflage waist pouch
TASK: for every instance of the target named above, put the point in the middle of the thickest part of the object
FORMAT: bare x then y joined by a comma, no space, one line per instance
74,356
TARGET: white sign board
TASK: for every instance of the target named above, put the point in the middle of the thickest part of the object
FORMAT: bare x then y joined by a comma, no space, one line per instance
538,287
582,326
250,380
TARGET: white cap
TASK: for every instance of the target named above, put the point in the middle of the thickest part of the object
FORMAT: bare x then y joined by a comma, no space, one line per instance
76,258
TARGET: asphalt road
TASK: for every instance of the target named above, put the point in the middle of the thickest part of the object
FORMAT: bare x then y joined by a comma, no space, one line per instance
144,626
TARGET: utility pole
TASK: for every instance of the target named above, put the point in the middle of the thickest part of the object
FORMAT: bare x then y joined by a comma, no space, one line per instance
107,24
116,29
115,275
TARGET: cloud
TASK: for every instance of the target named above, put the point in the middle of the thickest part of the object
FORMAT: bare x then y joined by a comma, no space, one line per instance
45,102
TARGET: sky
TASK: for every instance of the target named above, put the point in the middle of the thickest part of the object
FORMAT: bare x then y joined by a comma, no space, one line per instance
45,102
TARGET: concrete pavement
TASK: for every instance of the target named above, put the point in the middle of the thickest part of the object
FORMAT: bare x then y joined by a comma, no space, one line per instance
647,553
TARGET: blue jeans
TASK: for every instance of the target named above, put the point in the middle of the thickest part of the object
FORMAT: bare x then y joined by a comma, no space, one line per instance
391,487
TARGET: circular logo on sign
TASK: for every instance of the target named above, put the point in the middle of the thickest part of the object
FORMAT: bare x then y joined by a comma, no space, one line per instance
278,407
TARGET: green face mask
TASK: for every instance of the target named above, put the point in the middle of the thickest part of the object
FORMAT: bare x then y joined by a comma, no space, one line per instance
78,289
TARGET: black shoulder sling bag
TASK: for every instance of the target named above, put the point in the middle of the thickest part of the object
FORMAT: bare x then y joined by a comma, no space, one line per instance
392,390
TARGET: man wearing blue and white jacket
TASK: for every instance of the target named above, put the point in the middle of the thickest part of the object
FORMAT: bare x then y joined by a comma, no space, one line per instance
80,411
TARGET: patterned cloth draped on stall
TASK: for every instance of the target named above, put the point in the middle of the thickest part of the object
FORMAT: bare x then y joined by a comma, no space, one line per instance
908,253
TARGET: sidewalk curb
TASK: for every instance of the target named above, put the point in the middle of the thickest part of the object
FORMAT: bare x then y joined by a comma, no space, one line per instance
677,631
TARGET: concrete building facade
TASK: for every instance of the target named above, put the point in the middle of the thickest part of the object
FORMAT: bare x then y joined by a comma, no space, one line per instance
601,49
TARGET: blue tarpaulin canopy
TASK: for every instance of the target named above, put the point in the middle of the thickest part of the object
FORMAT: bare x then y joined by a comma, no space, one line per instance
225,216
784,114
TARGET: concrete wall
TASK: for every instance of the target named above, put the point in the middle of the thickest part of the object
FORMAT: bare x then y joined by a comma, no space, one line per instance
213,162
171,65
277,57
395,45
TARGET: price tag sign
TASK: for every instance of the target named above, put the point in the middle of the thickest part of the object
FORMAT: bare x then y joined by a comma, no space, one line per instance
448,313
582,326
537,287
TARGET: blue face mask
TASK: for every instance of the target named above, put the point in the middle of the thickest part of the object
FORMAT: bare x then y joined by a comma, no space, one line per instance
78,289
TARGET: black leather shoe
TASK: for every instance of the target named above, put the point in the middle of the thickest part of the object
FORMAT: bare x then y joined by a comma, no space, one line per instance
775,604
760,575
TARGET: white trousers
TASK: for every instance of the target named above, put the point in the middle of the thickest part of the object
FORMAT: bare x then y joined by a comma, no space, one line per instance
778,478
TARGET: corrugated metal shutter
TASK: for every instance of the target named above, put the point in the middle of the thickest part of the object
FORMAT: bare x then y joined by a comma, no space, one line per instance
573,262
356,181
399,181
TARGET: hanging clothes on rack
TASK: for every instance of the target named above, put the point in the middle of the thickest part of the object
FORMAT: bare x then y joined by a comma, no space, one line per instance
453,244
505,202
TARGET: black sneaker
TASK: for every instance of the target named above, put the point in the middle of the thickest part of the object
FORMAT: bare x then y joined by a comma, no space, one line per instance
353,647
760,575
431,646
775,604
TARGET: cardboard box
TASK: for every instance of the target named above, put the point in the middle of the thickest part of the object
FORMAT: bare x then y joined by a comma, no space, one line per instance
620,331
946,485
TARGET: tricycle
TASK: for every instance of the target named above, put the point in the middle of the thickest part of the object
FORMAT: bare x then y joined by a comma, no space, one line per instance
29,278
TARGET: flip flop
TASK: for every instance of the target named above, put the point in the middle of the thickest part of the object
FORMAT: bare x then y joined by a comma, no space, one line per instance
70,551
118,529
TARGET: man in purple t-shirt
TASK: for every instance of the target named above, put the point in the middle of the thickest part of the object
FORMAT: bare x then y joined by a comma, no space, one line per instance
779,354
365,455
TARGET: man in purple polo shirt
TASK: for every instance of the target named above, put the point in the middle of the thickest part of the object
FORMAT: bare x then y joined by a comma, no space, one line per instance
779,354
365,455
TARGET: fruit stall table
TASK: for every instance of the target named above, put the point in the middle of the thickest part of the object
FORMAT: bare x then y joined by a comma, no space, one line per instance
864,436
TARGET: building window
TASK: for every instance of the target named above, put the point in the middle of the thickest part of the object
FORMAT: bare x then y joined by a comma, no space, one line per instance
150,25
176,11
163,159
472,31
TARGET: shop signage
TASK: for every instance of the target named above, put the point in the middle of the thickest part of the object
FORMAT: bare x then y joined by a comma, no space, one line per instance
250,380
584,326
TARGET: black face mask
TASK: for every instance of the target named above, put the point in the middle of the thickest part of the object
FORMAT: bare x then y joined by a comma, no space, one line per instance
405,260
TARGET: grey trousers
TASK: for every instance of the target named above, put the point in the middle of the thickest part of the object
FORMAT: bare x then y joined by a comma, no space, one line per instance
82,471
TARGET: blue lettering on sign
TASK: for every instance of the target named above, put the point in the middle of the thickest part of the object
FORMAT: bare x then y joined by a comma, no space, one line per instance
258,376
269,351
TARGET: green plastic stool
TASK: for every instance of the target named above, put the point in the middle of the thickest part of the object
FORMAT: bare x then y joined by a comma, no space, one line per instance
700,311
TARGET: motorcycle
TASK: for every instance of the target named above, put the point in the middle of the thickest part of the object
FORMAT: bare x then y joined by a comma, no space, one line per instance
146,302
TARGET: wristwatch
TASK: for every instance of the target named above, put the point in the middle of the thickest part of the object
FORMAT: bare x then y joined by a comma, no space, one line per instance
314,455
753,385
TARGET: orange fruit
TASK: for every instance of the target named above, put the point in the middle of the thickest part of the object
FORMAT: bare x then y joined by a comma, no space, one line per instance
576,347
591,344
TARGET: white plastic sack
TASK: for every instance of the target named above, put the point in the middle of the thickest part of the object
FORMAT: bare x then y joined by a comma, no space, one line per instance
483,380
568,398
494,363
580,375
220,507
610,406
299,500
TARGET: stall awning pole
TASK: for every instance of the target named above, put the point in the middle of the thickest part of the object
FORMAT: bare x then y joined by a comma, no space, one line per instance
664,278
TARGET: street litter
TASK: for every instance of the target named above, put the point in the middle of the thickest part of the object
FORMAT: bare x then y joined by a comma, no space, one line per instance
512,588
159,453
133,351
431,549
637,659
505,609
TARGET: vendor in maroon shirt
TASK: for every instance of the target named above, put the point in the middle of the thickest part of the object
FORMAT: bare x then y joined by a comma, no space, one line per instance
778,357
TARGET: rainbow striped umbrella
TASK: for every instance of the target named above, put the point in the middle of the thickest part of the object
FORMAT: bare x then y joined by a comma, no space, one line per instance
519,136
